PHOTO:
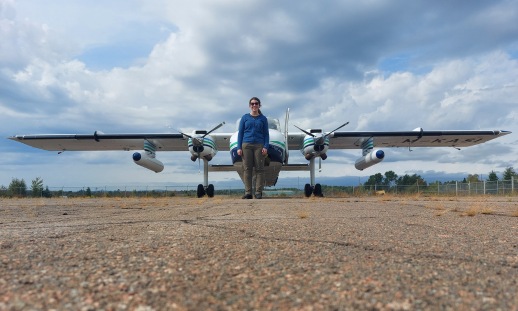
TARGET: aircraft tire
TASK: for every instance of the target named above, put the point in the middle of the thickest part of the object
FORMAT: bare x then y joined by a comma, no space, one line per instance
210,191
200,192
308,190
318,191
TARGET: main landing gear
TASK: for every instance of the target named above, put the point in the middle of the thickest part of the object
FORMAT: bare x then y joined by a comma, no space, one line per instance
201,191
205,188
316,191
308,188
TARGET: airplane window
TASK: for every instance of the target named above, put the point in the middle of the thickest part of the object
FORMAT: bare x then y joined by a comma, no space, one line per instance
274,124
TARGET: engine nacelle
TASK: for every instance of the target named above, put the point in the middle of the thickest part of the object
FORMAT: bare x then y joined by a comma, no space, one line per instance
368,160
148,162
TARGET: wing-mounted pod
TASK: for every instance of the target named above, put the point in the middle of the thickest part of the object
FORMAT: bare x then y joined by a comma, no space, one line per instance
370,156
148,158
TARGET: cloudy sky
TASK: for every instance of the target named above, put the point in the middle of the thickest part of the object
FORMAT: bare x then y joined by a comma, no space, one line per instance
69,66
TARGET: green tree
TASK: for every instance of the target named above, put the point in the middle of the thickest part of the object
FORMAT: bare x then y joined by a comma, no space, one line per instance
46,193
37,187
473,178
411,180
17,187
492,176
376,179
88,192
509,173
390,178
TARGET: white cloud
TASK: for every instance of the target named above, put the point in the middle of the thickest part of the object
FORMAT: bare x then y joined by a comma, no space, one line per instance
145,65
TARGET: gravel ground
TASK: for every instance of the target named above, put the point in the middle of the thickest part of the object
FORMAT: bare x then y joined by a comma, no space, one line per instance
223,253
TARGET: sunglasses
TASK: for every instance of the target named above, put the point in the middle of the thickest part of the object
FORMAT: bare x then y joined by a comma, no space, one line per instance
254,104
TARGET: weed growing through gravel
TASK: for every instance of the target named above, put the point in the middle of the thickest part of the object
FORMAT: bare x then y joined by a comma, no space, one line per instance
487,211
478,208
472,211
303,215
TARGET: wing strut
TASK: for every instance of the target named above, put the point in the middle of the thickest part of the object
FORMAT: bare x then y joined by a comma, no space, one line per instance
286,119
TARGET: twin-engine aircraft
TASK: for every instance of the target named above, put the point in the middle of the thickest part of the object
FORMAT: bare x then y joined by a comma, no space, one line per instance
313,143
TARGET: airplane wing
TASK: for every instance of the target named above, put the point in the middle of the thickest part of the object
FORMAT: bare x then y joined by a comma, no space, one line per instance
353,140
101,141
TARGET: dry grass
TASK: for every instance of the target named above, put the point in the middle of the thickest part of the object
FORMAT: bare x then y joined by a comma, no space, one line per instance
303,215
472,211
478,208
440,213
515,213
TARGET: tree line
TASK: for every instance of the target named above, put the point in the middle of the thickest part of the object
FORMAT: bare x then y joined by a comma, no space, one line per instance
18,187
390,178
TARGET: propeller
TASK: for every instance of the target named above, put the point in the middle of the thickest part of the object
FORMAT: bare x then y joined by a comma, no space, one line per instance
305,132
320,140
336,129
198,141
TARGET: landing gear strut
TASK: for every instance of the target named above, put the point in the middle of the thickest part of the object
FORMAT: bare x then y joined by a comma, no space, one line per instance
205,188
309,188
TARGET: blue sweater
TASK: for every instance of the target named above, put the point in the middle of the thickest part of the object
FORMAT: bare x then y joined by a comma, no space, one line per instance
253,130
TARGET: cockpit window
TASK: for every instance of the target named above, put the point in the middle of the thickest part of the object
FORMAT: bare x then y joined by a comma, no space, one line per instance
274,124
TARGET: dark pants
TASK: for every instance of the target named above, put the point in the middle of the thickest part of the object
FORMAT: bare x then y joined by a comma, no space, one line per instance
253,159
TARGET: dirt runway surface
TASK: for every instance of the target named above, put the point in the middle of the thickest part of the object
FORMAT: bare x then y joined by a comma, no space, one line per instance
222,253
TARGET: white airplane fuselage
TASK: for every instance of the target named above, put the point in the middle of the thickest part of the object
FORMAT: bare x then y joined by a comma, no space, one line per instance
275,158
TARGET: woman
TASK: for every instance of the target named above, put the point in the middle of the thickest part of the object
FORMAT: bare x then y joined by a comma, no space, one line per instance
252,145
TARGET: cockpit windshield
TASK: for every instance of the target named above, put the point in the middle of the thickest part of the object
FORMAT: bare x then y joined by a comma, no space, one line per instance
274,124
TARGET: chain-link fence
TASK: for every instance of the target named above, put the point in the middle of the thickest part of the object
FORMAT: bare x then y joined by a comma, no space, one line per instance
506,187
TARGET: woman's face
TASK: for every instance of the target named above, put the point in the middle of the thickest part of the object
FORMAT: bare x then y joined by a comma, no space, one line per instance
254,105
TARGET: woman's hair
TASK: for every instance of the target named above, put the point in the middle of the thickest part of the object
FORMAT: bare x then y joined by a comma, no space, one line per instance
258,100
254,98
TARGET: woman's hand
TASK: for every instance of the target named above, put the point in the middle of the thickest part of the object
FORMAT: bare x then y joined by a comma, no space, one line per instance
264,151
239,152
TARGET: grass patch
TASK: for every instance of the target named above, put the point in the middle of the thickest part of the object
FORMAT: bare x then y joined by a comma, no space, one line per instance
472,211
303,215
487,211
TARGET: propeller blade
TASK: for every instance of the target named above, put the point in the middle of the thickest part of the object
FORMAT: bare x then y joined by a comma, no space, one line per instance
184,134
305,132
336,129
217,127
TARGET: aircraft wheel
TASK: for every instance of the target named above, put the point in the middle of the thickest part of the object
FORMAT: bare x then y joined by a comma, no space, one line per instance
200,191
318,191
210,191
308,190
